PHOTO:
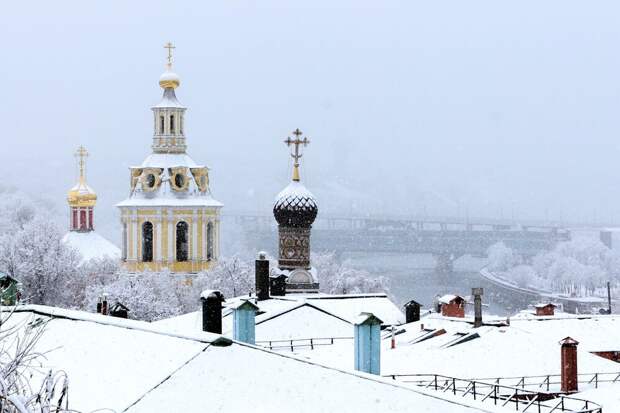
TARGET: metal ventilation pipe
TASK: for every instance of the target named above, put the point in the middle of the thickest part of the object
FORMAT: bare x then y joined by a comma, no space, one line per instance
212,311
261,274
477,293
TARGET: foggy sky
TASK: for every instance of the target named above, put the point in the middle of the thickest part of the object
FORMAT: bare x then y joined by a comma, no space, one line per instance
479,108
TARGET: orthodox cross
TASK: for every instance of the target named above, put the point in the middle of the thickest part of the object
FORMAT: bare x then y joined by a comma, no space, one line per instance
296,152
169,46
81,153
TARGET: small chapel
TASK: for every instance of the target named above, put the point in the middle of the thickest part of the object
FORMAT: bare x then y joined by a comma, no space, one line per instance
82,200
295,209
170,221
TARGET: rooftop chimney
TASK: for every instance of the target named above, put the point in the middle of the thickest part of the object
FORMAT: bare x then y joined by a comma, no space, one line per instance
412,312
569,365
262,276
367,338
104,304
244,322
477,293
277,285
212,311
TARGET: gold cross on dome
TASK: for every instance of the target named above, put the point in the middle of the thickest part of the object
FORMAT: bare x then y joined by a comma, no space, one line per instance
296,154
169,46
81,154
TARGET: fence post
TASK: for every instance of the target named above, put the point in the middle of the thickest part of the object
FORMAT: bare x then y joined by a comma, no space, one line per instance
311,345
435,382
454,385
474,388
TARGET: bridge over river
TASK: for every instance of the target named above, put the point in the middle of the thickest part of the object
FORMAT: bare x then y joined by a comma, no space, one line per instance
445,238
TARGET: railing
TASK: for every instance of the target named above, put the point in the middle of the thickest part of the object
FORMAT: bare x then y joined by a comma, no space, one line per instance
552,382
300,343
506,396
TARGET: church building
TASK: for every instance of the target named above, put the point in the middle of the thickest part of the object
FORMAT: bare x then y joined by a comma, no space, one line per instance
295,209
170,221
82,236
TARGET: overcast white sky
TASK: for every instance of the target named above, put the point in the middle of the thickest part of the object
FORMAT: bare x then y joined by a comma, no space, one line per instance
450,107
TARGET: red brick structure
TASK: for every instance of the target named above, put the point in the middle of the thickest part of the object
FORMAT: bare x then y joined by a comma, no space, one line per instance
569,365
545,309
452,306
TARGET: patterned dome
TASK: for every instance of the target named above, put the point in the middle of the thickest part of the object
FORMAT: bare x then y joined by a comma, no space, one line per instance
295,206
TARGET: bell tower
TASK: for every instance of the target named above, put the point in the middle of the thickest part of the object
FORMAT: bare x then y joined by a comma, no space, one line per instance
81,198
170,221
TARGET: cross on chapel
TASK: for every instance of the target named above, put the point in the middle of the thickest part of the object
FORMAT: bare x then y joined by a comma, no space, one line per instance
81,154
296,154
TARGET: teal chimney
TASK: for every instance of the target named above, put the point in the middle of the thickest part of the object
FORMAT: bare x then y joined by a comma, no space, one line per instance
367,338
244,324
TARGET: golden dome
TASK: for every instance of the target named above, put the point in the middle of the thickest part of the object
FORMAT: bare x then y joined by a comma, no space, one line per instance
81,195
169,79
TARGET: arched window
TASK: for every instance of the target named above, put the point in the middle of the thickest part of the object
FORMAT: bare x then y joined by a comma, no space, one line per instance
161,125
210,241
124,250
182,244
147,242
172,124
181,125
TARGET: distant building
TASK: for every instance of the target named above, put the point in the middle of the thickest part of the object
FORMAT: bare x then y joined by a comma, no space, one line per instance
452,306
170,220
545,309
82,236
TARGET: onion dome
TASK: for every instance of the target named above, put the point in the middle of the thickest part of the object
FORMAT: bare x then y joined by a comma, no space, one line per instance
169,79
295,206
82,195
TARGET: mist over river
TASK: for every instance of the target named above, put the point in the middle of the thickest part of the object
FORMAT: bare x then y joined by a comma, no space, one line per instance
412,276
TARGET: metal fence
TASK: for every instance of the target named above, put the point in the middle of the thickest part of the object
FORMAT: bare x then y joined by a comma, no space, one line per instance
552,382
506,396
300,343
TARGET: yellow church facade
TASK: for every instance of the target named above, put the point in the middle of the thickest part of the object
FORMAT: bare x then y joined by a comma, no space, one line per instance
170,221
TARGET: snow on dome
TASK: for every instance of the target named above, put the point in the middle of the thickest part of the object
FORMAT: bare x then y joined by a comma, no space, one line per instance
295,206
91,245
169,79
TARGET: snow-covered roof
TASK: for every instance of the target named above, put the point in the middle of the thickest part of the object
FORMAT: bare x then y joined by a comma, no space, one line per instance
166,372
169,160
526,347
169,99
91,245
448,298
299,316
165,195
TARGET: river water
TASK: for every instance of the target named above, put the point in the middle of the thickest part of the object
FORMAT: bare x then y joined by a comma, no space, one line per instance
413,277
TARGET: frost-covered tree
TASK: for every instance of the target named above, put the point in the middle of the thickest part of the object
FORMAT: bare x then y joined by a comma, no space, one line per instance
24,387
501,258
578,268
341,278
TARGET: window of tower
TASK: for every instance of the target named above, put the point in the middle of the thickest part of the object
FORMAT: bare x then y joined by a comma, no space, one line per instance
209,241
181,125
147,242
124,250
179,180
161,125
182,241
150,180
172,124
